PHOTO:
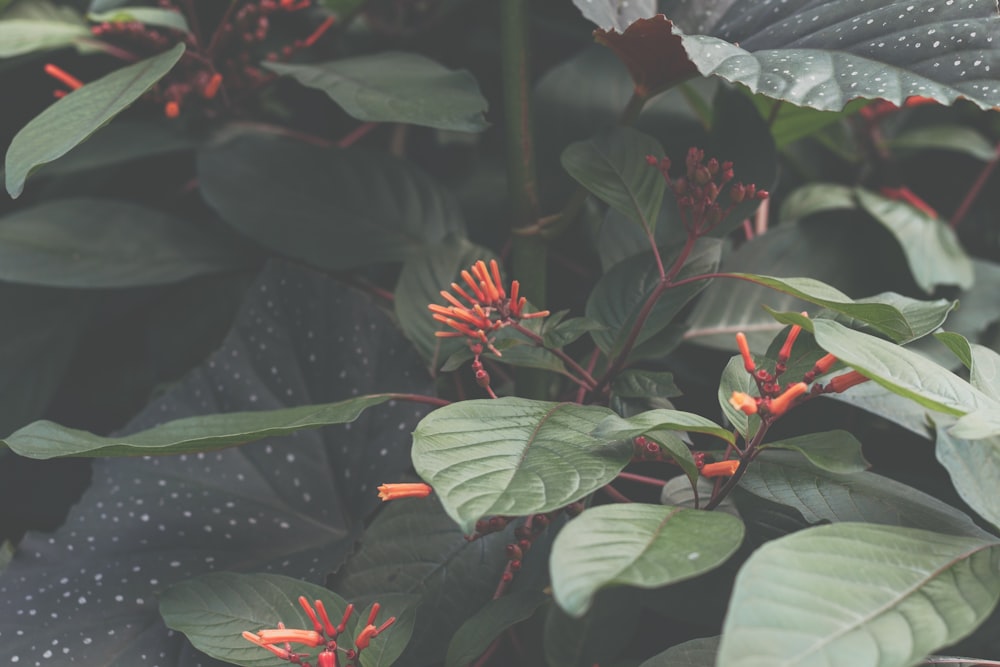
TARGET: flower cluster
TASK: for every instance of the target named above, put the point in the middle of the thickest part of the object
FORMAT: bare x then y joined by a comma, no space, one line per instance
775,399
698,190
324,633
487,308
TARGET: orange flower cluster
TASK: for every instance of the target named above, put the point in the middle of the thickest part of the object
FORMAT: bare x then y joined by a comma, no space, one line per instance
489,307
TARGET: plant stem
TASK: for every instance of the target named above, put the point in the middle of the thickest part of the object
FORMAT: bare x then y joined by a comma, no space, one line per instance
528,252
973,193
641,479
615,494
585,377
420,398
748,455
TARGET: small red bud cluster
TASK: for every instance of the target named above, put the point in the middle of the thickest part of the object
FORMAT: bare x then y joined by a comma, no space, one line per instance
698,191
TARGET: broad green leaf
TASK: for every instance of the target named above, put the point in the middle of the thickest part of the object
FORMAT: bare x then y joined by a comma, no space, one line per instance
45,440
414,558
618,298
613,167
598,637
477,633
985,374
421,281
823,55
20,36
98,243
69,121
150,16
735,378
930,245
834,451
791,123
858,595
514,456
692,653
637,545
814,198
637,383
291,504
819,495
974,467
566,331
335,209
213,611
614,427
959,138
395,87
900,370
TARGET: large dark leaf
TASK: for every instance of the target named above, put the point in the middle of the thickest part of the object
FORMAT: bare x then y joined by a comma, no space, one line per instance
292,505
336,209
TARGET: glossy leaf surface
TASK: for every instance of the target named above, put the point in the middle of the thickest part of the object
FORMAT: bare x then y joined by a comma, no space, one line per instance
834,451
514,456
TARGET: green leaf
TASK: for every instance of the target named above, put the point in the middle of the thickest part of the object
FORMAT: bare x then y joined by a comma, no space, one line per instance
637,383
834,451
735,378
960,138
69,121
959,346
421,281
637,545
613,167
514,456
692,653
819,495
599,637
477,633
20,36
565,332
99,243
617,299
825,55
816,198
614,14
931,247
974,467
149,16
45,439
213,611
335,209
395,87
791,123
985,374
857,595
614,427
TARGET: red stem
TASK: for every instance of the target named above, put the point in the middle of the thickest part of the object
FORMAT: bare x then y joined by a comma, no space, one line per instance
615,494
641,479
356,134
974,190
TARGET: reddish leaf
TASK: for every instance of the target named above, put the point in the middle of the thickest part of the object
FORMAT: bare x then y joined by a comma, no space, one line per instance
652,52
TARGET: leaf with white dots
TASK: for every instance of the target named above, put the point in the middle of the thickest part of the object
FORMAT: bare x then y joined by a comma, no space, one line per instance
292,504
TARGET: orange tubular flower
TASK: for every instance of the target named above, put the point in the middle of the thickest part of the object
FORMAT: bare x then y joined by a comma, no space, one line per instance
63,76
743,402
396,491
292,635
824,364
786,349
748,363
846,381
780,405
720,469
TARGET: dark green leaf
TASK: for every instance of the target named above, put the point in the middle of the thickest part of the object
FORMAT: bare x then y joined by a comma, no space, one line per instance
20,36
816,198
613,167
149,16
335,209
69,121
567,331
599,637
395,87
857,595
931,247
514,456
614,427
636,383
789,479
477,633
834,451
637,545
947,138
97,243
692,653
735,378
791,123
619,296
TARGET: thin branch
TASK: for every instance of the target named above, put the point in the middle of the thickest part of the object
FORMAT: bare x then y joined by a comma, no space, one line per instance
975,189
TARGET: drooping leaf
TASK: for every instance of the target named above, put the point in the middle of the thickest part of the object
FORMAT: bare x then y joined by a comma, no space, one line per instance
395,87
834,451
20,36
69,121
692,653
415,560
213,611
636,545
291,505
514,456
974,467
823,55
614,427
477,633
858,595
819,495
613,167
618,298
150,16
335,209
97,243
931,247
